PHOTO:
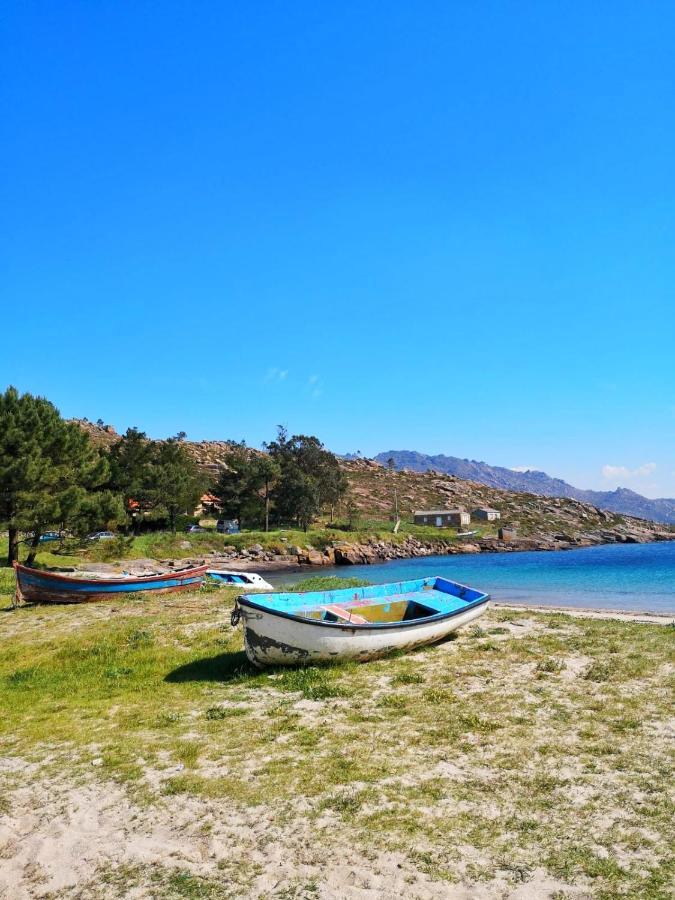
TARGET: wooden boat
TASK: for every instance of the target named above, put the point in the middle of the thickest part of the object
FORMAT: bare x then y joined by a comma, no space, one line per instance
250,580
353,623
39,586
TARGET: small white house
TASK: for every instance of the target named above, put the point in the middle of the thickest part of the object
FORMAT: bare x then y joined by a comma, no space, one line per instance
441,518
486,513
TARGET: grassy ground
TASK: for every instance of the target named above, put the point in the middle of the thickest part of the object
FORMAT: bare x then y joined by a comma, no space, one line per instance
532,749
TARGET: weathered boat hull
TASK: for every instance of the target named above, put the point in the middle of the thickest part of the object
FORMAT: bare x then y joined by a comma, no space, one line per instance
37,586
273,637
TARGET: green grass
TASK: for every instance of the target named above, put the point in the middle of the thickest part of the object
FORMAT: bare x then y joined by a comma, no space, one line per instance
324,583
165,545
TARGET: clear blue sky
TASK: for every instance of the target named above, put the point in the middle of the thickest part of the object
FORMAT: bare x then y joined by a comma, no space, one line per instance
446,226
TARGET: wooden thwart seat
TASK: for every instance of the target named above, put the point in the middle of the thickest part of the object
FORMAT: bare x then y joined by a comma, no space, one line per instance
345,614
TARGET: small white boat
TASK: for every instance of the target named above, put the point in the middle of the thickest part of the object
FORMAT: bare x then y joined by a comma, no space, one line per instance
250,580
353,623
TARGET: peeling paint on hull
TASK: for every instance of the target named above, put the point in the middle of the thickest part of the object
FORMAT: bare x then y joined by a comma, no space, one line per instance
38,586
272,640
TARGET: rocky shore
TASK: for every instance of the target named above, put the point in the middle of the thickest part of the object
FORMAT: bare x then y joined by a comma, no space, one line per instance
345,553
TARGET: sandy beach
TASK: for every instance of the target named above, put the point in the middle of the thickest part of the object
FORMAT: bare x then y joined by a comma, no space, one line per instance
517,760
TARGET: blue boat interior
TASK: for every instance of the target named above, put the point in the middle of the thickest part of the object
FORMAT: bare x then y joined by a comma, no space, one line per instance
403,601
228,577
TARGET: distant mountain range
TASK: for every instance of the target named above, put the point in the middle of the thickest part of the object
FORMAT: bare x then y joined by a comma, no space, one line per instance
621,500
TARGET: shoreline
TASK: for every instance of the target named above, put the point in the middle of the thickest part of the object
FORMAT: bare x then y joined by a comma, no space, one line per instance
316,560
590,612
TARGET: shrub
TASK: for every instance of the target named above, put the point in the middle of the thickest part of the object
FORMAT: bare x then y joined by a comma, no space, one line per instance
550,665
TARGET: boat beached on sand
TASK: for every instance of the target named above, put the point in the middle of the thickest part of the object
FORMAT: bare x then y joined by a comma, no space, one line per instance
353,623
241,579
38,586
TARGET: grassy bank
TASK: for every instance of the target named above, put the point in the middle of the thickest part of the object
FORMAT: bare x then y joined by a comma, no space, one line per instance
164,545
533,748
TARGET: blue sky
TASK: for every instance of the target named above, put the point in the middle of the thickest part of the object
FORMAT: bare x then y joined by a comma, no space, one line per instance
440,226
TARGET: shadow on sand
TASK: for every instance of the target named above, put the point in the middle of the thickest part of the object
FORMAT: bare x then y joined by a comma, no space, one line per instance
224,667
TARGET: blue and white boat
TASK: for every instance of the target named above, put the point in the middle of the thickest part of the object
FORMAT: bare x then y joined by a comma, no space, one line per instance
353,623
250,580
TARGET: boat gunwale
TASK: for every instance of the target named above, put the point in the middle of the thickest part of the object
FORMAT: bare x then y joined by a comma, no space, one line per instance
132,579
244,600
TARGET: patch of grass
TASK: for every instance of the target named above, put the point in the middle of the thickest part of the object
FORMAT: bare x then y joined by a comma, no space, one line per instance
408,678
599,670
550,666
325,583
215,713
346,803
313,682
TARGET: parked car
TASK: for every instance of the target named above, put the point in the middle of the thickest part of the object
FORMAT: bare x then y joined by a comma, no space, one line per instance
195,529
101,536
227,526
49,536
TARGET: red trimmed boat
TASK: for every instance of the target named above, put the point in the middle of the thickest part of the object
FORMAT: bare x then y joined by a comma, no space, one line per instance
38,586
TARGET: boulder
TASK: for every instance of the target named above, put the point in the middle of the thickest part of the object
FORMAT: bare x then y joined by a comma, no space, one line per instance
354,555
312,558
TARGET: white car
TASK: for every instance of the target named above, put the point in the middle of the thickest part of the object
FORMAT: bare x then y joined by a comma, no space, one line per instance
101,536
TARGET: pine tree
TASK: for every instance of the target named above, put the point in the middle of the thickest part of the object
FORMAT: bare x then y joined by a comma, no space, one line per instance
131,470
50,474
234,486
176,482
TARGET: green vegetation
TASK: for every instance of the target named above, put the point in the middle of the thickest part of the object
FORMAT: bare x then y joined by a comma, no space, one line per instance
154,477
541,740
293,482
325,583
245,487
50,475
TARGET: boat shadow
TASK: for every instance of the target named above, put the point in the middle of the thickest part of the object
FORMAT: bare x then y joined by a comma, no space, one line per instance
221,668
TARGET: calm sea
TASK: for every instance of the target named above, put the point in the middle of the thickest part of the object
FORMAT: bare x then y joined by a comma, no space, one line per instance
618,576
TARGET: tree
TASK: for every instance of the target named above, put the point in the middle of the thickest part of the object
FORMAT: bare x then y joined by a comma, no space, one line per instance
296,497
232,486
245,487
50,473
154,475
309,477
175,479
131,470
334,487
265,473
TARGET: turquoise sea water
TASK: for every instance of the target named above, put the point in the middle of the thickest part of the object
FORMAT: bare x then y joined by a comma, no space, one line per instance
618,576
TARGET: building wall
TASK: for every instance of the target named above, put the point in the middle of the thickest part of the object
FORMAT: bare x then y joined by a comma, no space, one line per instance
491,516
447,519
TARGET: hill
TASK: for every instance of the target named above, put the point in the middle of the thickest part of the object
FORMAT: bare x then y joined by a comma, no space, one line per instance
550,522
532,481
